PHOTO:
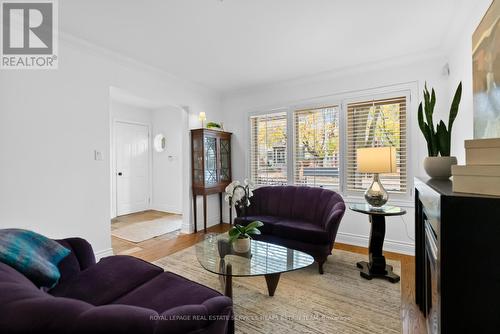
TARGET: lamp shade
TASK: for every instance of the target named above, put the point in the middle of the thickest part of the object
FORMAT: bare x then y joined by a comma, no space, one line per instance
202,116
376,160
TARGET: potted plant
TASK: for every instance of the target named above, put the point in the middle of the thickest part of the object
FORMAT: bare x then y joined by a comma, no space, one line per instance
438,164
239,236
239,195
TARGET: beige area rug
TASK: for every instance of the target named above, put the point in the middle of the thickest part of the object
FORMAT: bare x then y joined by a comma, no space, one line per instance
340,301
140,231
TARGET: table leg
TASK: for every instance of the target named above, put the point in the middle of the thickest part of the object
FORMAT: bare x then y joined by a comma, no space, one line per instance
272,282
194,214
228,288
377,267
205,212
220,207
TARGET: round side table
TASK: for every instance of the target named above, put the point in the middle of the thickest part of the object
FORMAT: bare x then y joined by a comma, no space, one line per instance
376,267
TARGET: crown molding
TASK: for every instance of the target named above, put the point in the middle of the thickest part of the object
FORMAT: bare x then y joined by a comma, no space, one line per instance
82,44
432,54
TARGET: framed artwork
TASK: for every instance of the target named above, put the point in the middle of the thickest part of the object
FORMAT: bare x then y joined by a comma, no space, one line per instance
486,74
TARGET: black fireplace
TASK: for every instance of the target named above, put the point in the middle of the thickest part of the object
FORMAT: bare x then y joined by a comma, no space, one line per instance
456,259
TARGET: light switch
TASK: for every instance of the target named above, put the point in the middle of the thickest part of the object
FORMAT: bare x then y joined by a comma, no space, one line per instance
97,155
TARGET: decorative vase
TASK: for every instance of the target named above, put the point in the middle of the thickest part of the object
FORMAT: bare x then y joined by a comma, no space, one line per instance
241,245
439,167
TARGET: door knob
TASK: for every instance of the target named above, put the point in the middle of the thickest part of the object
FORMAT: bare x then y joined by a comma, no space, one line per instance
120,174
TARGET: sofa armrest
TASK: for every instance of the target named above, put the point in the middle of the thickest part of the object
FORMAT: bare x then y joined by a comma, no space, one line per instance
82,250
333,219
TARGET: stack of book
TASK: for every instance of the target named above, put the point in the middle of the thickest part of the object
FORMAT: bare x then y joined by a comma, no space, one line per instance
481,173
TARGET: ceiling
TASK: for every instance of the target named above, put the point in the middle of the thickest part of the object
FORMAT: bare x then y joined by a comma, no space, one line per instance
233,44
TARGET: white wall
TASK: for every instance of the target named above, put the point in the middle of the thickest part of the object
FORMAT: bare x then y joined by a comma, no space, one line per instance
413,72
460,60
50,124
167,165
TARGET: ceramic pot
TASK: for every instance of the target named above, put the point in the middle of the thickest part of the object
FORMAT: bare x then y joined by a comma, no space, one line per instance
439,167
241,245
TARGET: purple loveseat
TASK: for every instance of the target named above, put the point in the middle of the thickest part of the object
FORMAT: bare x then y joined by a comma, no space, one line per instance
302,218
119,294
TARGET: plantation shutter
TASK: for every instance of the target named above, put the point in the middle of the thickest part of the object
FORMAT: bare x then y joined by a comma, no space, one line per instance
316,147
377,123
268,151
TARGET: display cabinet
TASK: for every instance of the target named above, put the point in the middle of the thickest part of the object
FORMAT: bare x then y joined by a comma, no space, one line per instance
211,167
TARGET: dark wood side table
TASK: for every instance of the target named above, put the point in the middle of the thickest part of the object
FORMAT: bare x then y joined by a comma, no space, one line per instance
376,267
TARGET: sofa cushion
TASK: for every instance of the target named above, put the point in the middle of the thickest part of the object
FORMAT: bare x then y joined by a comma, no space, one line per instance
301,231
108,280
166,291
267,228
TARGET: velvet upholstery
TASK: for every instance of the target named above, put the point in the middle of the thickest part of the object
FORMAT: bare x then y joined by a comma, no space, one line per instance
119,294
302,218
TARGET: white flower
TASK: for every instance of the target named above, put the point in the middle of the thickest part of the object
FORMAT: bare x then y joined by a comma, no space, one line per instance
239,193
250,193
230,187
227,197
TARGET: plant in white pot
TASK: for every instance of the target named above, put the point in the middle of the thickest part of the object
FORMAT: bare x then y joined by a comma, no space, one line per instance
438,164
239,236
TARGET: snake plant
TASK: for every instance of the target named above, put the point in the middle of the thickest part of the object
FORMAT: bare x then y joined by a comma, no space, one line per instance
439,139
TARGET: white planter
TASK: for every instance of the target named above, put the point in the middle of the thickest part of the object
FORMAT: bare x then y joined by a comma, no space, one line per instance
439,167
241,245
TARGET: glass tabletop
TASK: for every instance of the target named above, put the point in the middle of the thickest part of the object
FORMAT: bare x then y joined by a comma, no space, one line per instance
386,210
215,253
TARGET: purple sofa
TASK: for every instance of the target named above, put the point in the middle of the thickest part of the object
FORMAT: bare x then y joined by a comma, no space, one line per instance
119,294
302,218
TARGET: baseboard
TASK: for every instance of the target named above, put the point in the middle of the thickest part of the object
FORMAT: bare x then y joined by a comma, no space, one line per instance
363,241
103,253
166,208
211,221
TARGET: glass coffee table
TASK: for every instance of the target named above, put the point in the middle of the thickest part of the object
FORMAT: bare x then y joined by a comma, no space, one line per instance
216,255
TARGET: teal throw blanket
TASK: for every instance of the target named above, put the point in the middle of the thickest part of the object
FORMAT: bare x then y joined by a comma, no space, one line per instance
33,255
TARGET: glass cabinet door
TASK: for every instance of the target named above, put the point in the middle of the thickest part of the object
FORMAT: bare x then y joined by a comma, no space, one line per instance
210,160
198,174
225,160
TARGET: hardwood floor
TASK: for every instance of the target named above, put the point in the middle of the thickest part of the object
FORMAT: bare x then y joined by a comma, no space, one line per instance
153,249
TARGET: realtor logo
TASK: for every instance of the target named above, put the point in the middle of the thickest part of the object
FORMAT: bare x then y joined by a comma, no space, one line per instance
29,34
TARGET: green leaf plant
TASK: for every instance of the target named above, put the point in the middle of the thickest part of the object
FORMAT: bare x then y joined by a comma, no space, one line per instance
243,232
439,139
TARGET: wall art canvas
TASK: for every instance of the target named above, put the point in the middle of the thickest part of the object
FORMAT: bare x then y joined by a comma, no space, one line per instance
486,74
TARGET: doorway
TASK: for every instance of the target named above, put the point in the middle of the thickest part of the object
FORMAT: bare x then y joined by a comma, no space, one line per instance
132,167
148,182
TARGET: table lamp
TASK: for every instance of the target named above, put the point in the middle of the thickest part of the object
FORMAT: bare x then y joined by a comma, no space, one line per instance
376,160
202,117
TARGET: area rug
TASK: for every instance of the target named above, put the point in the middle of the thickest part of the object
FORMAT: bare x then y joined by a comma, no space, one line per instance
340,301
140,231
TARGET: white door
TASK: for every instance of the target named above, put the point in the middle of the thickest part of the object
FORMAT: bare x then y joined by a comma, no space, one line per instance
132,167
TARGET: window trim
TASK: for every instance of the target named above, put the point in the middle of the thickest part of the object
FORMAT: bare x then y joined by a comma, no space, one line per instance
409,89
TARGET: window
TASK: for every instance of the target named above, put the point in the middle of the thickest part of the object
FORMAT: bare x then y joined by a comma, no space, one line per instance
324,140
316,151
374,124
269,149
